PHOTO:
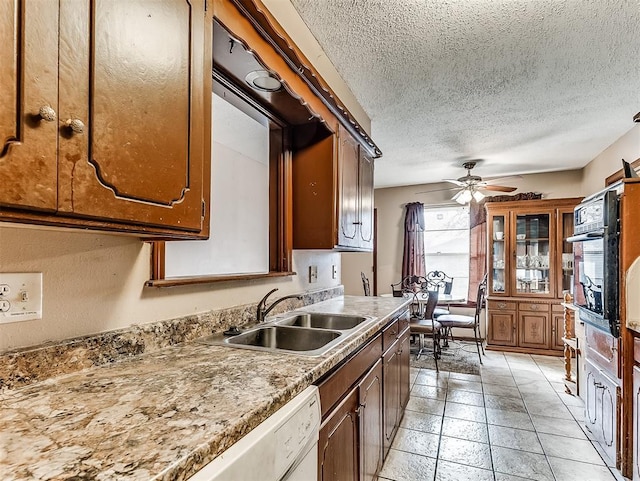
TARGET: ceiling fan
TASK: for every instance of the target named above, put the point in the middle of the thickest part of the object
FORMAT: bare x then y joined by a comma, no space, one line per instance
471,186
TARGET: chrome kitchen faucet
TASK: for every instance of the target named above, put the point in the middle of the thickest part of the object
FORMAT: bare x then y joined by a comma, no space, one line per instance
263,310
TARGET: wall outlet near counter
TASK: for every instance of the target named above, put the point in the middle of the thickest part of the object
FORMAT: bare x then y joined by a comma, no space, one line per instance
313,274
20,296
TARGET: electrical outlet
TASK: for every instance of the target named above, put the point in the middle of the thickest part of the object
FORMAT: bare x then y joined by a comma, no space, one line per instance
313,274
334,271
20,296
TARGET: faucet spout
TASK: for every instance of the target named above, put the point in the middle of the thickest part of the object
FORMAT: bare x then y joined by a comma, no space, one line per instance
262,309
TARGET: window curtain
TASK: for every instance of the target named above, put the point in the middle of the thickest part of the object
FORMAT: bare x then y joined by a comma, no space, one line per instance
478,237
413,253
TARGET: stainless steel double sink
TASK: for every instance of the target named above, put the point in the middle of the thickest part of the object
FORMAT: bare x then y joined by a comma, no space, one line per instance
306,333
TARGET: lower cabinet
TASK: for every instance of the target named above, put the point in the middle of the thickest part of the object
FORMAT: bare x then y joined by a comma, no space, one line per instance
338,443
370,411
502,327
524,326
405,354
396,393
601,409
362,402
533,329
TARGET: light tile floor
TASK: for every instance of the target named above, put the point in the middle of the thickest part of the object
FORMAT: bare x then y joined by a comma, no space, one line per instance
512,422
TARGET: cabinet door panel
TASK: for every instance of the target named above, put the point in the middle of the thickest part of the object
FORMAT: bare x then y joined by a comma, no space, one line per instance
391,375
405,353
366,200
349,167
502,328
557,332
338,443
28,81
534,330
140,157
371,423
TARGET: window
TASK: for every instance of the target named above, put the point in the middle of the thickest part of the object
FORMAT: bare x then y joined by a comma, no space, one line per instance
446,244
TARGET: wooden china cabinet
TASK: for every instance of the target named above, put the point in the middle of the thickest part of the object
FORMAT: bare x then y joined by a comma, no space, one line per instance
529,265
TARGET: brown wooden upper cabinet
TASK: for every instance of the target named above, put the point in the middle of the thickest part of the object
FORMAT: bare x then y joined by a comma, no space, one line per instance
333,195
106,114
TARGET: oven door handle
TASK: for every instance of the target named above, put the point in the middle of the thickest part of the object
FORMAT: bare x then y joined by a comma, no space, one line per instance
586,237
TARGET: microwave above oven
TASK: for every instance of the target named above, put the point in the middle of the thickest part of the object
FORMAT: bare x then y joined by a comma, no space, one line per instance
596,251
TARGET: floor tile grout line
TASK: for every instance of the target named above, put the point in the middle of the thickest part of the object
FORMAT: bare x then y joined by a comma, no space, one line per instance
486,420
511,368
583,428
553,475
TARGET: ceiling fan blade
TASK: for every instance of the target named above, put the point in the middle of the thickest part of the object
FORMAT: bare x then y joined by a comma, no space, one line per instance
498,188
454,181
436,190
500,179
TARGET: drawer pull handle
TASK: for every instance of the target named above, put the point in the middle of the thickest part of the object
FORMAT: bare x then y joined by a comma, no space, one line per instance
76,125
47,113
534,307
502,305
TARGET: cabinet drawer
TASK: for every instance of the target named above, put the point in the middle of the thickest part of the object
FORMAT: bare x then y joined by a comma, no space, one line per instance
557,308
602,350
533,307
390,334
502,305
337,383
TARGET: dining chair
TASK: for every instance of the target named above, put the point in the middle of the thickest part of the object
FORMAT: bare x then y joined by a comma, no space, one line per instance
441,282
450,321
411,287
427,325
365,284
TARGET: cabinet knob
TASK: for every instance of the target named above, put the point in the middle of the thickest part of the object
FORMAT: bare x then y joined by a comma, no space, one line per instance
47,113
76,125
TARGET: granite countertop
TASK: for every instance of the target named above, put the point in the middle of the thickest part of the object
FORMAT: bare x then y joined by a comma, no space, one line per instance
162,415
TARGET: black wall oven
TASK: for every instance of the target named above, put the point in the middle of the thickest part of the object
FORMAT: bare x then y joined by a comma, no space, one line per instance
595,259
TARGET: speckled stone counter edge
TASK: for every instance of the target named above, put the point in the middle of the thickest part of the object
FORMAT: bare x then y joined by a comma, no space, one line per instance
36,363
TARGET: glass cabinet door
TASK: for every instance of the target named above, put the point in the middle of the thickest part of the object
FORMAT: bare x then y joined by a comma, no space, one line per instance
498,254
565,276
532,249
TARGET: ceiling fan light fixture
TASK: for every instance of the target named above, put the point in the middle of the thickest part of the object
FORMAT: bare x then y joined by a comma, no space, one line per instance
478,196
464,197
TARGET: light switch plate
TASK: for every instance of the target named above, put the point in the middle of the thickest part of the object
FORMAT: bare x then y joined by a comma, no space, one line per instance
20,296
334,271
313,274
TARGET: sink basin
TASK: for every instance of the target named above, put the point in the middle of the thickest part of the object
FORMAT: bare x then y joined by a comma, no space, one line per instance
286,338
316,320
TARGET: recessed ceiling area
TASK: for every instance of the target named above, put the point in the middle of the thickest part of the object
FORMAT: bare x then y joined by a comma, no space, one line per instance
524,85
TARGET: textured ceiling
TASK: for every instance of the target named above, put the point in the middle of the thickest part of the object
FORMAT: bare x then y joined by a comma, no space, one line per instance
526,85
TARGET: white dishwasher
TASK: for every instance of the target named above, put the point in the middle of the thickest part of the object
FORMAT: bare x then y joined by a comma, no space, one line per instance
282,448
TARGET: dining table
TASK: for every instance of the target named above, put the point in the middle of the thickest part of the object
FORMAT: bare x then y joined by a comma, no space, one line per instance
420,298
